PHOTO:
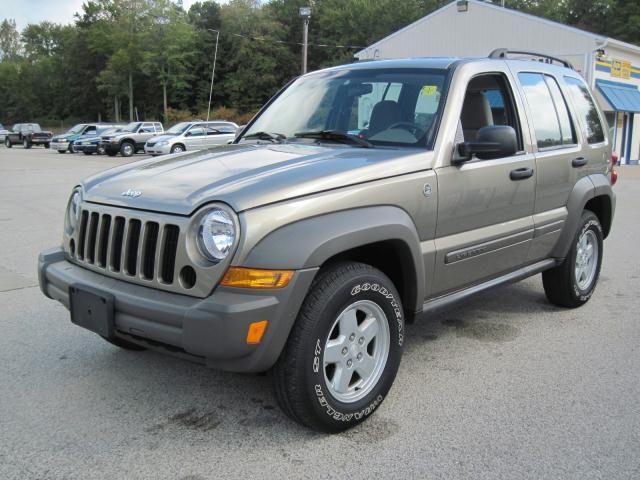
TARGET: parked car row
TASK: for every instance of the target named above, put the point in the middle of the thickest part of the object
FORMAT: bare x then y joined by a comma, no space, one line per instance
113,139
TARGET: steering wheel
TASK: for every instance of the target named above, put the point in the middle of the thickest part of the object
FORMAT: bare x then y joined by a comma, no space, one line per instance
412,128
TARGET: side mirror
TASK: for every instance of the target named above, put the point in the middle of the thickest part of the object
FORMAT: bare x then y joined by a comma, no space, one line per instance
188,134
496,141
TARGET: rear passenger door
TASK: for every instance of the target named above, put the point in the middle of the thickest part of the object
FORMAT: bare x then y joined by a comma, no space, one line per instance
485,223
562,157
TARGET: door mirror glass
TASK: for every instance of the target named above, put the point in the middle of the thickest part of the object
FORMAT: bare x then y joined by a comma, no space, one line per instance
496,141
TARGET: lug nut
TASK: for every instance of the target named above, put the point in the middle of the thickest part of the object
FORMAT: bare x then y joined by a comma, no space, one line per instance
352,337
359,356
344,351
361,340
349,363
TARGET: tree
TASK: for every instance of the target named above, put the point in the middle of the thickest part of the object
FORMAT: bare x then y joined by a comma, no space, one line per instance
9,40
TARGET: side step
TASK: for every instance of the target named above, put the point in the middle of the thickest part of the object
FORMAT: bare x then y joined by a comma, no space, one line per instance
439,303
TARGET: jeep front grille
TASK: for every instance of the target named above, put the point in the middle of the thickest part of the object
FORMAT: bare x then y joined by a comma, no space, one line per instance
128,247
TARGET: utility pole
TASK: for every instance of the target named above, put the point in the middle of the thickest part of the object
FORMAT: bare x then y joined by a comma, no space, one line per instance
305,14
213,70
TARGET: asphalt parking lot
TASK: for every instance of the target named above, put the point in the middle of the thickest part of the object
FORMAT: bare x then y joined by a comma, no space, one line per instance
504,387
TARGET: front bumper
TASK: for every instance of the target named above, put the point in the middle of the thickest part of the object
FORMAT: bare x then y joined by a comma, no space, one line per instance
156,150
60,146
212,331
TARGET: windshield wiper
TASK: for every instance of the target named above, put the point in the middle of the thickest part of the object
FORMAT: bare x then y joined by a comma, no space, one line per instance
336,136
274,137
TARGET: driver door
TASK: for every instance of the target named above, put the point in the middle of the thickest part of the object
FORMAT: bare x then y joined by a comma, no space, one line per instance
194,138
485,207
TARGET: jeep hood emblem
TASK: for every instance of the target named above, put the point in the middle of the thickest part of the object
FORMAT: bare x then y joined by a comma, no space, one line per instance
132,193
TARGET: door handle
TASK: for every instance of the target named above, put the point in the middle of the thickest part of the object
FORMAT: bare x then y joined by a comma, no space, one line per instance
521,173
579,162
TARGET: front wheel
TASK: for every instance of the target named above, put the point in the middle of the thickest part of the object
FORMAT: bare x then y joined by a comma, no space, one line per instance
62,151
177,148
26,143
127,149
47,145
101,150
344,350
572,283
87,153
72,148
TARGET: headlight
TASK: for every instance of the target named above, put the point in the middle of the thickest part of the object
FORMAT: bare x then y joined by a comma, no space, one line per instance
162,144
216,234
73,211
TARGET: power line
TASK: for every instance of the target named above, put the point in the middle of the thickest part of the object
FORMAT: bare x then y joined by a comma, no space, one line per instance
320,45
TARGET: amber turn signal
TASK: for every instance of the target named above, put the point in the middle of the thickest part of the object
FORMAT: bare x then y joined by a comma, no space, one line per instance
256,331
255,278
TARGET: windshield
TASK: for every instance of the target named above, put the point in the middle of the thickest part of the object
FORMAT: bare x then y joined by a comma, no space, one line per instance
179,128
131,127
32,127
77,129
395,107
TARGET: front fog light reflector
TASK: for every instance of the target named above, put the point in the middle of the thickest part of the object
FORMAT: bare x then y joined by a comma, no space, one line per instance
256,278
216,235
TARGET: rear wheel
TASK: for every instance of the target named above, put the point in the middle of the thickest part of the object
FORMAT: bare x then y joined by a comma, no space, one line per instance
344,350
572,283
127,149
46,145
62,151
7,143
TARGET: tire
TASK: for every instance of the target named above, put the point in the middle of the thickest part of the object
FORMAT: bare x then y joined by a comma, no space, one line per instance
72,149
7,143
127,149
87,153
62,151
26,144
119,342
307,389
112,154
100,150
569,285
177,148
46,145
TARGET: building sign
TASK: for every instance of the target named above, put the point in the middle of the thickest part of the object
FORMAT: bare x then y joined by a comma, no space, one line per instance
621,69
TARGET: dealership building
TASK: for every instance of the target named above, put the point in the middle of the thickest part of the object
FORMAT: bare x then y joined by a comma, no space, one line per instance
472,28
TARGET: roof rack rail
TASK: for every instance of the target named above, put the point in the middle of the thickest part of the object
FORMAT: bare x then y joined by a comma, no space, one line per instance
503,52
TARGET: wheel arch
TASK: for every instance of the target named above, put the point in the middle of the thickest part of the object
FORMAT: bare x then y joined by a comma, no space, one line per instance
384,237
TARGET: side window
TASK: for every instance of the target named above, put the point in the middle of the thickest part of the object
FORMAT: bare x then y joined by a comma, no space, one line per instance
489,101
566,126
543,111
196,132
147,128
158,127
586,109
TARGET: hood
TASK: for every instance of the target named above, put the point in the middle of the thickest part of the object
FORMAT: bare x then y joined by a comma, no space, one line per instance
67,136
160,138
247,176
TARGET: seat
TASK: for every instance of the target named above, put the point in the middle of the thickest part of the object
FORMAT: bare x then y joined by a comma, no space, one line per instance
476,113
383,115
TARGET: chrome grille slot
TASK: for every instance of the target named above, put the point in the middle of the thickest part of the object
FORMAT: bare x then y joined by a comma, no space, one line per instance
149,252
116,242
103,242
169,248
91,237
83,231
131,252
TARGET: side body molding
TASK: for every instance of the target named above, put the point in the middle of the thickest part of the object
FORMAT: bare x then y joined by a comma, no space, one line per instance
584,190
309,243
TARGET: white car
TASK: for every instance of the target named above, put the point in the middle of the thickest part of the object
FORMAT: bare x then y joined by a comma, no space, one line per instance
189,136
3,132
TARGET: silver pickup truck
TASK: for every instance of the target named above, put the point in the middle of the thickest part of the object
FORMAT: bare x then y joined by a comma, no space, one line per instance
360,198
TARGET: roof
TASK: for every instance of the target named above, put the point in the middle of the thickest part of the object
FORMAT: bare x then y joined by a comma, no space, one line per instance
600,39
417,62
623,97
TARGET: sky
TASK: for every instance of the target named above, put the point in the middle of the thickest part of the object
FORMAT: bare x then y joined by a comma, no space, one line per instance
57,11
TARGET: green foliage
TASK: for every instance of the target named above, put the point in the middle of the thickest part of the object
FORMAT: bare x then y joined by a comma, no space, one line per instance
157,57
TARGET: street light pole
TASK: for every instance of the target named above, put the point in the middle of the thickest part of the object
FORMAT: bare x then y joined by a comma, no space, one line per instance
213,70
305,13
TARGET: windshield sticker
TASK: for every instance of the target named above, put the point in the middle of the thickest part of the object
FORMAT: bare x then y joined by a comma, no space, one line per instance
429,90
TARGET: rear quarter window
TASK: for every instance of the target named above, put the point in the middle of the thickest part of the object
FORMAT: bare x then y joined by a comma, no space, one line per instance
586,109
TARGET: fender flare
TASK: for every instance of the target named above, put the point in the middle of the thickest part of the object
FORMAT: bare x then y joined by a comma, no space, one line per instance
311,242
584,190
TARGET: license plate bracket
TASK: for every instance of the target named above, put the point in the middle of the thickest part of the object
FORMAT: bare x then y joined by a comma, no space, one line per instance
92,309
